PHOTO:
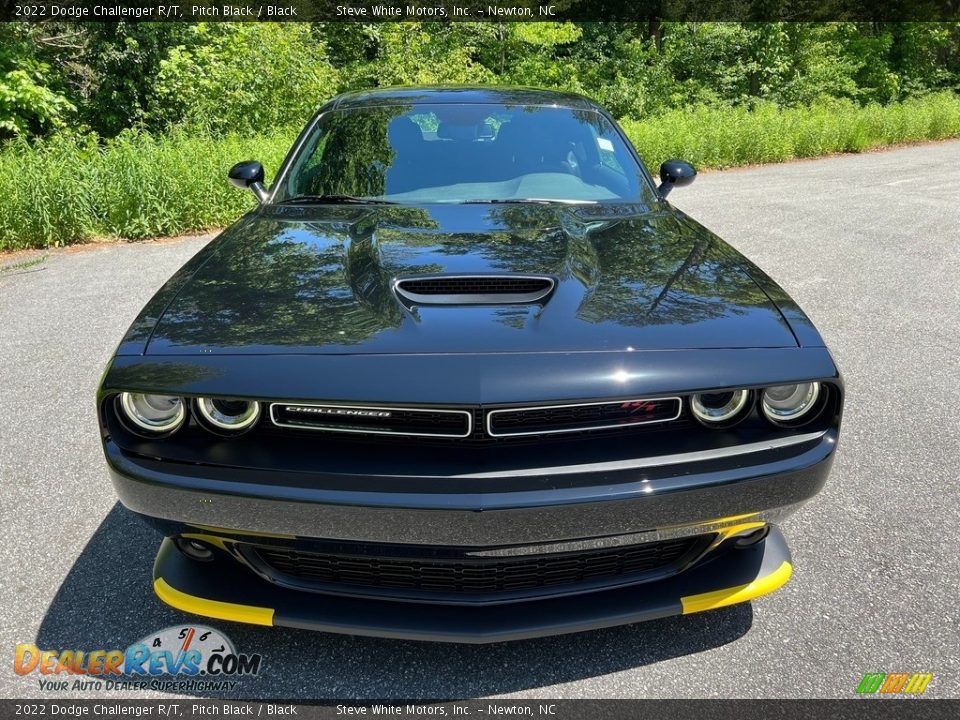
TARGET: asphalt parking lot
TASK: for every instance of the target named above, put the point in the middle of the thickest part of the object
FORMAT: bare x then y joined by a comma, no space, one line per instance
870,247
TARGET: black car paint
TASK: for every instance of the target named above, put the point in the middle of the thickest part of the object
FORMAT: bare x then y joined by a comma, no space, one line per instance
317,280
295,303
422,505
278,305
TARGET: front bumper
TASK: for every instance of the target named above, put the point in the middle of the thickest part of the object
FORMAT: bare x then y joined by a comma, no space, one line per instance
586,502
226,590
718,494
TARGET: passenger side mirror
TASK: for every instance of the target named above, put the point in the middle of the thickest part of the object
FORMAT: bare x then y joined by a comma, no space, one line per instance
675,173
249,174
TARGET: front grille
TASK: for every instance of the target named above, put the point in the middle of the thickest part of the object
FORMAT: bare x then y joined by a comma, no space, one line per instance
372,419
478,424
473,289
479,576
582,416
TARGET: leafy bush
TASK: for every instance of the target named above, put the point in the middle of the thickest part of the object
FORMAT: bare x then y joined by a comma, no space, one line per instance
29,107
242,77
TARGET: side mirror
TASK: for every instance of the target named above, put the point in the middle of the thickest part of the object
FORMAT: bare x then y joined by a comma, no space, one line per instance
249,174
675,173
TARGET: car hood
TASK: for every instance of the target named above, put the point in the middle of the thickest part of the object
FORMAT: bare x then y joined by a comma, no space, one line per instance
319,280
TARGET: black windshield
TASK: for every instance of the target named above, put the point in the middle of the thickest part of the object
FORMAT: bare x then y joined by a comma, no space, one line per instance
447,153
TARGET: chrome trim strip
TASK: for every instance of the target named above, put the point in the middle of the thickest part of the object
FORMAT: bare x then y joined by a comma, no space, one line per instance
637,538
469,415
488,425
674,532
657,461
473,299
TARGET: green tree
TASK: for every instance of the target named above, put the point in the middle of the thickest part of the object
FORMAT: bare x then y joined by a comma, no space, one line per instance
31,103
415,54
243,77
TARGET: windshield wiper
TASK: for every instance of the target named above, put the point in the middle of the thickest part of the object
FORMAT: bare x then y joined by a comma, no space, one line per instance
333,200
528,201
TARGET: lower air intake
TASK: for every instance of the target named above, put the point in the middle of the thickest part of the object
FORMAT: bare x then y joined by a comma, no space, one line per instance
474,575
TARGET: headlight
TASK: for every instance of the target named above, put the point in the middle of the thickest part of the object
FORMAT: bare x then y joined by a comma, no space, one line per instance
786,404
156,414
719,408
230,416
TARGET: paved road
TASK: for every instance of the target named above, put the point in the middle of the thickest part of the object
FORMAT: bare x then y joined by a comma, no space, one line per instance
869,245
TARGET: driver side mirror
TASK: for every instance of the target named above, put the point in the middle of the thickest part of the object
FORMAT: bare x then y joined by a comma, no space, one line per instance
249,174
675,173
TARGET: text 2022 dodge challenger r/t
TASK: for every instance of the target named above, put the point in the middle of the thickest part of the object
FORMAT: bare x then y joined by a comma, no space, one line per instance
464,374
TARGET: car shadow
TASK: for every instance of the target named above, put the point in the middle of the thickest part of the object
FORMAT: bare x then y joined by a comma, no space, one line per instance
106,601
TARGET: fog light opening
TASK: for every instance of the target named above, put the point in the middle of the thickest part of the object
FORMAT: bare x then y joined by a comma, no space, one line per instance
194,549
752,538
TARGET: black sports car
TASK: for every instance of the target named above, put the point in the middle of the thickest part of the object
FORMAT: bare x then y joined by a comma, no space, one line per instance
464,374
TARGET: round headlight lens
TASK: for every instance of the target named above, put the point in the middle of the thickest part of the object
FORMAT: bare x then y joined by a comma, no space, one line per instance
228,415
719,407
153,413
789,403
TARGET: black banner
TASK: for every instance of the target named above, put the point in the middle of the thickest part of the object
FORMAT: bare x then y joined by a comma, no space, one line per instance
863,709
478,10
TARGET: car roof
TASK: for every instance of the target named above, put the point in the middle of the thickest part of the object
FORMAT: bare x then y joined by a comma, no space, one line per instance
467,94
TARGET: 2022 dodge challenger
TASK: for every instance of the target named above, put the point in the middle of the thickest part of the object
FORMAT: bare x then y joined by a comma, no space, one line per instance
464,374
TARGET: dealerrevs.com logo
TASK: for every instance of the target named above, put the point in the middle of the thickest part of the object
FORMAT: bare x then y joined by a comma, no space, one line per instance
176,659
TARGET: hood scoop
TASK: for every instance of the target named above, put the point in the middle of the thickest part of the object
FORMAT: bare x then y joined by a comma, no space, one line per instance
484,289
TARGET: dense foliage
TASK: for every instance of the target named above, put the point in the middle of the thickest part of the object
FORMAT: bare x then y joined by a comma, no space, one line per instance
248,77
127,129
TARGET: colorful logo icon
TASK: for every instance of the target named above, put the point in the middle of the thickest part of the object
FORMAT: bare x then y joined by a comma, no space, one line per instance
894,683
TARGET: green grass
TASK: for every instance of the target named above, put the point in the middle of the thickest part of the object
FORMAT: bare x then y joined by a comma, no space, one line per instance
726,137
135,186
69,190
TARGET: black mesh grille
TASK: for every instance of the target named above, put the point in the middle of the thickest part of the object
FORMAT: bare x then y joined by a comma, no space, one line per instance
360,419
471,424
473,290
523,421
487,575
493,285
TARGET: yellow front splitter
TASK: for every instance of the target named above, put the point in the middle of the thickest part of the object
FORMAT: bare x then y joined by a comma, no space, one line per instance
211,608
226,589
741,593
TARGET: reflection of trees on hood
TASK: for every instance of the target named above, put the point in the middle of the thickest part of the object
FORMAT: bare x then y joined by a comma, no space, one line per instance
515,239
415,225
519,239
326,281
511,252
639,269
661,271
274,287
160,375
